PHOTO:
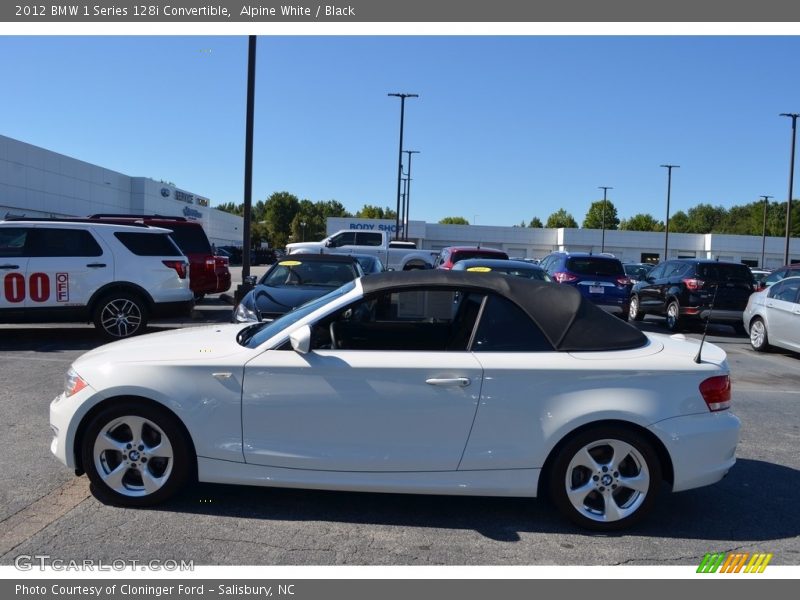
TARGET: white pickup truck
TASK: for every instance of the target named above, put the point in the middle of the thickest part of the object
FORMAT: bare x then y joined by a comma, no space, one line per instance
397,255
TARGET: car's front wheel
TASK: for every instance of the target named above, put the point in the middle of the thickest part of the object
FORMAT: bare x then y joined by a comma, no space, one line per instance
633,309
758,335
605,478
135,454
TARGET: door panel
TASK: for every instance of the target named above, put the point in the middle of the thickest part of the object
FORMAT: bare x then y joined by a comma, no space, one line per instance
351,410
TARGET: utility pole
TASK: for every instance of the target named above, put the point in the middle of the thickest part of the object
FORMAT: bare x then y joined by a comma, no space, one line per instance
764,229
402,97
793,116
408,194
669,192
605,189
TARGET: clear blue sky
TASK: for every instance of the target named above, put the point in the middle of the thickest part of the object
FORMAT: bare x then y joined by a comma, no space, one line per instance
508,127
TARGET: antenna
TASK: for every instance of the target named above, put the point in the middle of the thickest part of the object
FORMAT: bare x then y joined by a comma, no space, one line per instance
705,330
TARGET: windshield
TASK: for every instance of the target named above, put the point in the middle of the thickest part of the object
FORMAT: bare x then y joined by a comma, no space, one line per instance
309,273
257,334
594,265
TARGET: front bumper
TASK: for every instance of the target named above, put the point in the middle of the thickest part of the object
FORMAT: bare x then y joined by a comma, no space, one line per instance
65,416
702,447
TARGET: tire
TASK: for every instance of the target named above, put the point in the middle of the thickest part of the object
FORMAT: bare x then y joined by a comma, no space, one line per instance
119,315
591,482
673,317
135,455
198,296
759,339
633,309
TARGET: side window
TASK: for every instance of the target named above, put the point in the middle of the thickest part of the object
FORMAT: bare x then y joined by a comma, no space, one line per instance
504,327
775,276
785,290
62,243
657,272
12,241
416,320
442,258
346,238
368,238
148,244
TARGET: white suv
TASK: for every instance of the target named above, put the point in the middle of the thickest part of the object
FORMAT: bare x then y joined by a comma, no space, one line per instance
117,276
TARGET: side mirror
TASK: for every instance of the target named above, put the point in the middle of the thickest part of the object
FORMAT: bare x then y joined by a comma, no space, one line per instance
301,339
329,244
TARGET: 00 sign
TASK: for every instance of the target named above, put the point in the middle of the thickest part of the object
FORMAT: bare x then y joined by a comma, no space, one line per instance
38,287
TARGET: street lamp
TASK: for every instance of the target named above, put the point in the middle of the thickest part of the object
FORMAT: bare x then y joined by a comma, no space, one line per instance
402,97
669,191
605,189
791,186
408,194
303,227
764,229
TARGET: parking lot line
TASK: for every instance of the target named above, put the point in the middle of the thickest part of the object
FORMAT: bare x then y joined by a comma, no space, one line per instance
31,520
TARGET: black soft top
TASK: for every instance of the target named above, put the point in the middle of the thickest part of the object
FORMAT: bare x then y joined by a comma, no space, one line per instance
569,321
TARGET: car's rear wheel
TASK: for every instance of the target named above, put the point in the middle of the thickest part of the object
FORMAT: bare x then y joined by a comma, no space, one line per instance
120,314
759,339
633,309
674,322
605,478
135,455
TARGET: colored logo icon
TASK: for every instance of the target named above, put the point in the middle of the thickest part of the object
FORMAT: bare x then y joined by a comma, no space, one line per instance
736,562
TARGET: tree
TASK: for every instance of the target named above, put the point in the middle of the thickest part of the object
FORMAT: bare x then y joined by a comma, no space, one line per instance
641,222
561,218
705,218
536,222
230,207
679,223
375,212
597,210
280,210
453,221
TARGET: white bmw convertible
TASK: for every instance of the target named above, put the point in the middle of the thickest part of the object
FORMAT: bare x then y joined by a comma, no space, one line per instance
426,382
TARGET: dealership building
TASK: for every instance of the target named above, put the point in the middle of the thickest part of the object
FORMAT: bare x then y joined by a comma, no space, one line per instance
628,246
35,182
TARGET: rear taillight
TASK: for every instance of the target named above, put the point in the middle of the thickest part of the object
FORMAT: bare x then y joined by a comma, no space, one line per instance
693,284
562,277
211,264
221,261
178,265
623,281
716,392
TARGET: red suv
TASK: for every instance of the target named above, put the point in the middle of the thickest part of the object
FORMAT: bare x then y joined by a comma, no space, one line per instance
452,254
208,274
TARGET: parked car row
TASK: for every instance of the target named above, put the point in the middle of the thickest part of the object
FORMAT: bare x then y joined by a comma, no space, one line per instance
117,271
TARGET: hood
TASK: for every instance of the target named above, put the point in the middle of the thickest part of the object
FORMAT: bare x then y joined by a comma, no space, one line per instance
297,246
192,343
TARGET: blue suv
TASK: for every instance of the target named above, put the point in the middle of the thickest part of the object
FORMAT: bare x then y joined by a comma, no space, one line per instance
599,277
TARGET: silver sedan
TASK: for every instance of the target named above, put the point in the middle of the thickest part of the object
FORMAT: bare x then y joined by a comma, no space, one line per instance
772,316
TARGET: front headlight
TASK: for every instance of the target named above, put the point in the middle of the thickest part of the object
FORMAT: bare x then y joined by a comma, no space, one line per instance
244,314
73,383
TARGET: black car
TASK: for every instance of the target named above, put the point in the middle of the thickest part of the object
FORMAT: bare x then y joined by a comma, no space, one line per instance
293,281
690,290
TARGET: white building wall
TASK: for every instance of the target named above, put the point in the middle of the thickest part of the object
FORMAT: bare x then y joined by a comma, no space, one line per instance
628,246
36,182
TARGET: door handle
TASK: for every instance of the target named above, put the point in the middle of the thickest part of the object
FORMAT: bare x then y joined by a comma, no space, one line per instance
96,265
453,382
9,266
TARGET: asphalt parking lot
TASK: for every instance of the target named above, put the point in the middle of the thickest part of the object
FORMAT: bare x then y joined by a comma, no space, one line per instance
44,509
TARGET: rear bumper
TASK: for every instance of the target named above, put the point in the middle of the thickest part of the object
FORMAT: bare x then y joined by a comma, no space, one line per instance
702,447
726,316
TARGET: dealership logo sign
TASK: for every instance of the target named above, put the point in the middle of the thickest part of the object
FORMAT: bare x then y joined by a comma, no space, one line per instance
734,562
165,192
191,213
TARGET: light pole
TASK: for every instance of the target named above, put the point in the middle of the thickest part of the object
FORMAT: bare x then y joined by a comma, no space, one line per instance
764,229
791,186
669,192
402,97
303,227
605,189
408,194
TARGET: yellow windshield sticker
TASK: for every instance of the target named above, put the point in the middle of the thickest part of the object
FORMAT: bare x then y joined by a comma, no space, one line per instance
290,263
479,269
